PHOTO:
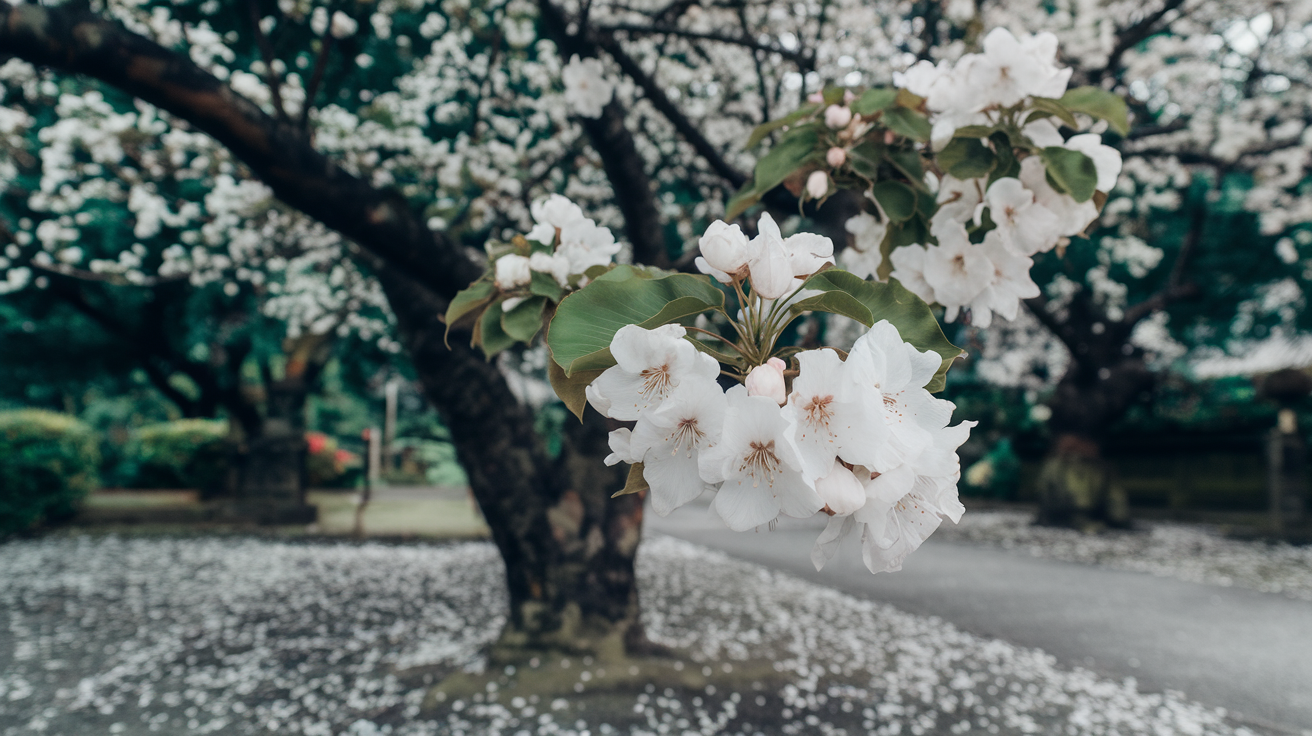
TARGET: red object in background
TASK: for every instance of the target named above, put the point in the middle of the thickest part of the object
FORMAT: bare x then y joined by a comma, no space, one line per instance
346,458
317,441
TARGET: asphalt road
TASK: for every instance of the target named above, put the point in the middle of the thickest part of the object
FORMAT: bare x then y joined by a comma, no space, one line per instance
1246,651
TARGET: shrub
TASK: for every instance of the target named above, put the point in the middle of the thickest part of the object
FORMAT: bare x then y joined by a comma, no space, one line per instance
189,453
48,464
329,466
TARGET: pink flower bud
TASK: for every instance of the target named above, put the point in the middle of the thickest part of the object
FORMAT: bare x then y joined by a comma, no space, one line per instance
836,156
815,97
838,116
768,380
817,184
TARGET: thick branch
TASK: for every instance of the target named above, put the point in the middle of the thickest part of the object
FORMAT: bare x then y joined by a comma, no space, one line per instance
279,153
1038,306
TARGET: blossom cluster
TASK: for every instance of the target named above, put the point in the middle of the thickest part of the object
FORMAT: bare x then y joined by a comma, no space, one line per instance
856,435
860,439
985,229
570,245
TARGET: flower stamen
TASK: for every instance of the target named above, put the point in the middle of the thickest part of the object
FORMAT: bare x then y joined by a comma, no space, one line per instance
656,382
760,462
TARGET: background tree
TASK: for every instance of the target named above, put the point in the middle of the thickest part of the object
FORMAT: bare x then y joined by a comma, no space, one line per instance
423,130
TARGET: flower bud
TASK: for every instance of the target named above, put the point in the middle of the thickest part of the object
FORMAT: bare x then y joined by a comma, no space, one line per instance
513,271
768,380
836,157
725,251
838,116
841,491
817,184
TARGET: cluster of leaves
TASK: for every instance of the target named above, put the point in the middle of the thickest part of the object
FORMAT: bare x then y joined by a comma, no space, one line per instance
890,156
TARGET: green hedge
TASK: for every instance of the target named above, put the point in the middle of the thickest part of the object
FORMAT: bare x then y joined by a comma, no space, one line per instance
188,453
48,465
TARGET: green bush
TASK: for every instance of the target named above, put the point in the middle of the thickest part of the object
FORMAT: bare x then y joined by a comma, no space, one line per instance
48,464
188,453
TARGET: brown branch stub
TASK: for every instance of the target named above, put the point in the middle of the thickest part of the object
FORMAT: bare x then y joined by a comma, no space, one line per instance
278,152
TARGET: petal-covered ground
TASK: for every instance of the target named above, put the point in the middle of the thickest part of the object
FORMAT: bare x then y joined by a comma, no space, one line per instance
1190,552
244,636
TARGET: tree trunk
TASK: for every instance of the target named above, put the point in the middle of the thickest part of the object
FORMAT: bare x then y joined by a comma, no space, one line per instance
1077,486
568,547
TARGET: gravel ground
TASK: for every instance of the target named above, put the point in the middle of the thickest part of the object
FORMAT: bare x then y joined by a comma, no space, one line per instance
242,636
1191,552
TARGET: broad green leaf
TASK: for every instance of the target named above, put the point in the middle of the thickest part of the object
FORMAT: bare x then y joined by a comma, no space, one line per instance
584,323
833,95
1073,170
966,158
865,159
795,150
874,100
1007,165
908,99
544,284
908,123
1055,108
897,199
974,131
1099,103
492,338
761,131
908,162
635,482
524,321
570,389
468,301
911,316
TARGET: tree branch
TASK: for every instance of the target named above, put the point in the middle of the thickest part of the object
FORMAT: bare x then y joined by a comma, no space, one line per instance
1132,36
1038,306
666,107
803,61
279,153
624,166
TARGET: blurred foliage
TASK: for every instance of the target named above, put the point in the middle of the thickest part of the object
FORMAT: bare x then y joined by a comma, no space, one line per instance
330,466
189,453
48,464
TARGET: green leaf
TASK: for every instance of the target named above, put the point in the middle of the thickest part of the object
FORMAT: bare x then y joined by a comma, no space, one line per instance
897,199
635,482
833,95
911,316
544,284
570,389
966,158
524,321
874,100
974,131
865,159
794,151
1073,170
908,123
1055,108
908,162
761,131
1007,165
468,301
584,323
1099,103
491,335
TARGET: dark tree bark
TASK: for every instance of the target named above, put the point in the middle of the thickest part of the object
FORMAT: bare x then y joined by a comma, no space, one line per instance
568,548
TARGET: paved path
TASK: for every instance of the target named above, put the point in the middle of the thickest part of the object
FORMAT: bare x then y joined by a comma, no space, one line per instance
1248,652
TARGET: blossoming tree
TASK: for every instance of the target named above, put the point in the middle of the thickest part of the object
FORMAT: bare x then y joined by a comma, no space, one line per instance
415,130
